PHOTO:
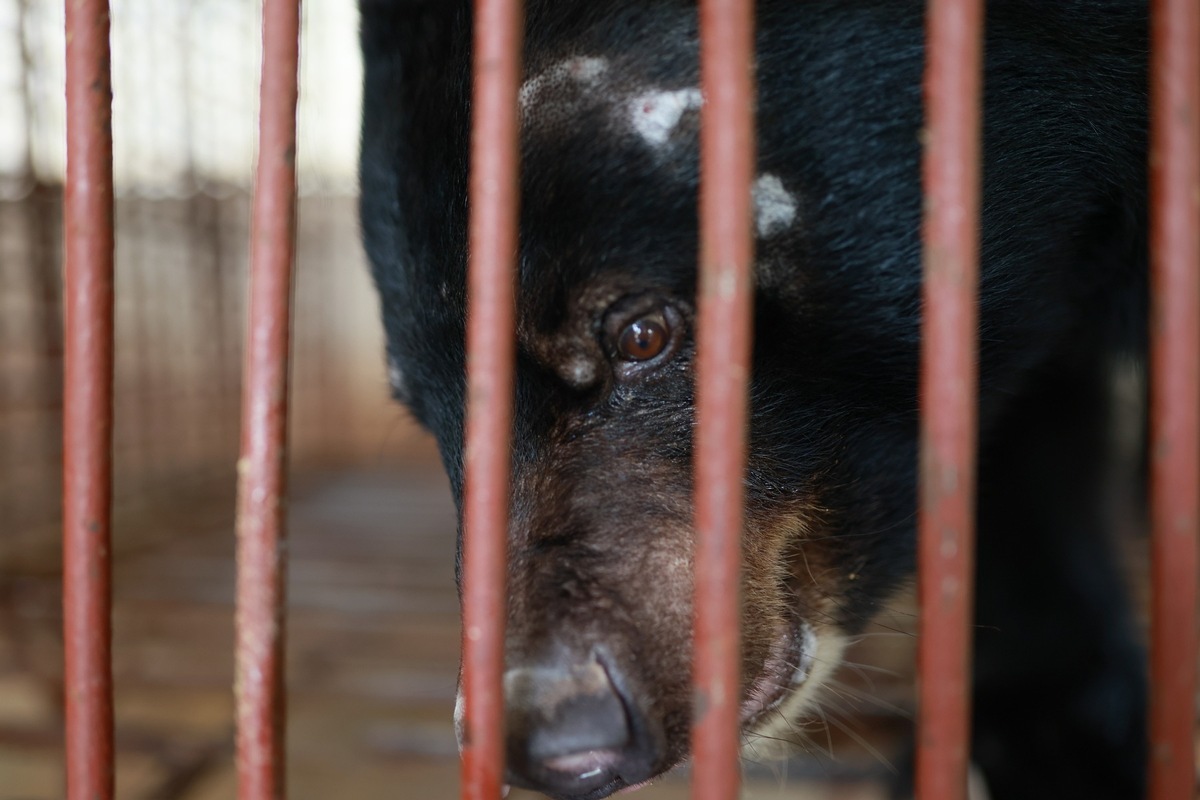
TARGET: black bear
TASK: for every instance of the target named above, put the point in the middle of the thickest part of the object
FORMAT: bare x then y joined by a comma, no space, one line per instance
599,614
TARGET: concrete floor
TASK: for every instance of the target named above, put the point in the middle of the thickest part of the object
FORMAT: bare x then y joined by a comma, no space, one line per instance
373,650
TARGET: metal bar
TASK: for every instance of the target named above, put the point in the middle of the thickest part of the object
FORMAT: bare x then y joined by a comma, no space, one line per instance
949,353
494,201
727,152
262,467
1174,391
88,405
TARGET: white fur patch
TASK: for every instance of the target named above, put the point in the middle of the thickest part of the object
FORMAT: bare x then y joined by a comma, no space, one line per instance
583,71
580,372
808,650
553,98
395,377
656,113
774,206
976,785
460,709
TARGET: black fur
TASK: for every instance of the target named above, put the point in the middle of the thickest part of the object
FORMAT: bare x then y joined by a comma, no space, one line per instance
1059,676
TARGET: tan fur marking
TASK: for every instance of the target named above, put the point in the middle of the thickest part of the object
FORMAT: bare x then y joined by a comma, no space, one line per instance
776,736
794,569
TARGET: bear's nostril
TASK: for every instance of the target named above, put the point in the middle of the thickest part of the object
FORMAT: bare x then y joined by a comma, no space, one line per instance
570,731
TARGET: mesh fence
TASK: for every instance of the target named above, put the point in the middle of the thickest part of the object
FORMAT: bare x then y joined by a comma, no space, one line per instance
184,123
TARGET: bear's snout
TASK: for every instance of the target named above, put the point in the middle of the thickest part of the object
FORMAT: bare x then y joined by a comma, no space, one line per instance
574,730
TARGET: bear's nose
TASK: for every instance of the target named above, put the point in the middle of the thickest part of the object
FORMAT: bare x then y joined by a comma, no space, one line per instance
571,733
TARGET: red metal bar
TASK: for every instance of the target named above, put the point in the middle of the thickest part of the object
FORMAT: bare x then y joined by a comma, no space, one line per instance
951,174
262,468
723,335
494,201
1174,391
87,405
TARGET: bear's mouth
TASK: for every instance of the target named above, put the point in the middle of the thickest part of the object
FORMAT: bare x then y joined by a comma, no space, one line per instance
788,665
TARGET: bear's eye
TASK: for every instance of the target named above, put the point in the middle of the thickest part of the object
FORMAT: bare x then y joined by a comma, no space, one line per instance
642,333
644,338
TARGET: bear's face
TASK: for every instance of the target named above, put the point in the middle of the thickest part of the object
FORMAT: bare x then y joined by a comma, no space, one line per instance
599,628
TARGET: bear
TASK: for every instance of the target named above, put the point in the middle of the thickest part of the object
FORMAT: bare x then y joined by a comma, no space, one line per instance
599,617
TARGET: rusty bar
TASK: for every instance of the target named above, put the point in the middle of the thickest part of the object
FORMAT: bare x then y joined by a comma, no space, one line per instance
494,201
262,467
727,152
949,352
1174,391
88,406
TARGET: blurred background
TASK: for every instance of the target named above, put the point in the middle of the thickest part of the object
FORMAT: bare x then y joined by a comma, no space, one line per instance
373,628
